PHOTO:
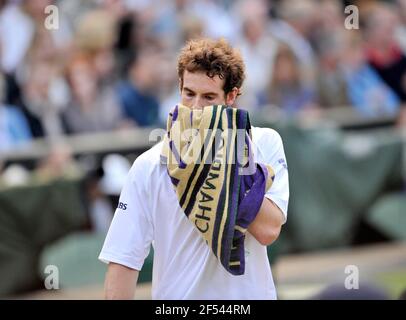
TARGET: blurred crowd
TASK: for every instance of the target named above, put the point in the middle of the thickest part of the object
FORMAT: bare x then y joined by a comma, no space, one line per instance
111,64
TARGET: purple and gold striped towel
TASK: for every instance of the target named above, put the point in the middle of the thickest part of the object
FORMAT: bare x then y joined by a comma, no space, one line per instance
209,157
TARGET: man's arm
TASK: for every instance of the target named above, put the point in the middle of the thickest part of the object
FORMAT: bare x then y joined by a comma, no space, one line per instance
120,282
267,224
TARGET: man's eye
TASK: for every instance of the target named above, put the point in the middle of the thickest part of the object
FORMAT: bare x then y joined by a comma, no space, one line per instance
209,98
189,94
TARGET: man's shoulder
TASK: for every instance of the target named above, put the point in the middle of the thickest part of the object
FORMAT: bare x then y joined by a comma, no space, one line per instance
267,143
152,155
266,136
147,161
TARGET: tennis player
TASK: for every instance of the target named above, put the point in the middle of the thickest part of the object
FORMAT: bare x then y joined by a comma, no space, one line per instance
150,210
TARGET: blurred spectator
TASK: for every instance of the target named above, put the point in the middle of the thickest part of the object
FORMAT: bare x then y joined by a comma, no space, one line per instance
329,34
217,21
95,37
400,32
95,32
58,164
16,30
331,84
258,48
75,9
287,88
367,92
90,109
14,129
138,93
35,61
190,29
18,25
169,94
126,45
45,97
165,20
329,20
167,24
401,120
116,8
384,53
297,24
119,55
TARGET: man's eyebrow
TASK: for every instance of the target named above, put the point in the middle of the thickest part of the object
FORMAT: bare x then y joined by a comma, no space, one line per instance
206,93
187,89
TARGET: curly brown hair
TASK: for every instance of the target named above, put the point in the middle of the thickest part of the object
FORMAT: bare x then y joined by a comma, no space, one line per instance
215,57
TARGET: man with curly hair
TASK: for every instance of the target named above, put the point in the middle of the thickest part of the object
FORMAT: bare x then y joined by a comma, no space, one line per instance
187,263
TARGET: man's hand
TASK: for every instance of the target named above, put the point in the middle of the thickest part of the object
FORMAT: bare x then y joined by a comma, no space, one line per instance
120,282
266,226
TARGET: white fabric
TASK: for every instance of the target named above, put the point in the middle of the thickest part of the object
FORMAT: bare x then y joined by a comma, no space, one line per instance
16,32
184,266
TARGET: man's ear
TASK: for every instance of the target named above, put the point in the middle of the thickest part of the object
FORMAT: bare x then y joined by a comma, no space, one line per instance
232,96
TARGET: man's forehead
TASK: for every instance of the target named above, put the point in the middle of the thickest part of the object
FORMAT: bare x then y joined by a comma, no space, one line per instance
200,81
